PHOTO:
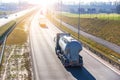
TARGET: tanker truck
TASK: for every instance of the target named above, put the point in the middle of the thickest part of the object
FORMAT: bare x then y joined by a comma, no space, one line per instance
68,49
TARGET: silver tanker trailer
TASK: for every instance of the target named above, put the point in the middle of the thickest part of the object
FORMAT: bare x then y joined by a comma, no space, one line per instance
68,49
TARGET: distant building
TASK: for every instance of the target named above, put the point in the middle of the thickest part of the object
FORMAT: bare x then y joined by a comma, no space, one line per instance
92,8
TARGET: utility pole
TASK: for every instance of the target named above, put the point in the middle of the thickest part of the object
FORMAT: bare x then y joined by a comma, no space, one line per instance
19,5
79,21
61,14
0,2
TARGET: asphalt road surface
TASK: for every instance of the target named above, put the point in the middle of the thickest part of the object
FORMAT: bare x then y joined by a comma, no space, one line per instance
46,64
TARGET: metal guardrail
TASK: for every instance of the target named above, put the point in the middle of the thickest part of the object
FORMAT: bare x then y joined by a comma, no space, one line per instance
4,42
3,48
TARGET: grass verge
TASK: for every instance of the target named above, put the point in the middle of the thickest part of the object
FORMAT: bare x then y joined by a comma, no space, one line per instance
19,35
99,16
106,29
6,27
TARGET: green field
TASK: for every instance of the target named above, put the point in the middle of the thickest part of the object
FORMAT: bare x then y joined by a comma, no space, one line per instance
19,35
6,12
100,27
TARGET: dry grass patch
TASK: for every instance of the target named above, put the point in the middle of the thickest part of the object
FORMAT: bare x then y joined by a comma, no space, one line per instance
20,35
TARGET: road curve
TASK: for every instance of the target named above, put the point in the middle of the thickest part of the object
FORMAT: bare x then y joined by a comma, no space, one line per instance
47,66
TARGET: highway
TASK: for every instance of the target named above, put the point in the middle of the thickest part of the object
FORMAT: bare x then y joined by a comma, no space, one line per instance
14,16
46,64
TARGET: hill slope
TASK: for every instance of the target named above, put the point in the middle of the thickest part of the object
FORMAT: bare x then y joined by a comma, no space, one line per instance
103,28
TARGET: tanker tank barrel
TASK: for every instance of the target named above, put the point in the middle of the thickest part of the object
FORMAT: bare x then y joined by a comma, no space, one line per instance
69,48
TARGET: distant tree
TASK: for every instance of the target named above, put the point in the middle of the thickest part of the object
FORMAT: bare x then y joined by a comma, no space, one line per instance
118,8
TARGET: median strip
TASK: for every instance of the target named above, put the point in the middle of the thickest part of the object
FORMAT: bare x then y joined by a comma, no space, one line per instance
6,28
19,64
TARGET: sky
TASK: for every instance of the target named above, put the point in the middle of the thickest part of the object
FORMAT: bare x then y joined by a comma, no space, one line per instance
52,1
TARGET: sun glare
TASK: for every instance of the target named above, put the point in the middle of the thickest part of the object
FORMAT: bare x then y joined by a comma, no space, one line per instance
44,3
